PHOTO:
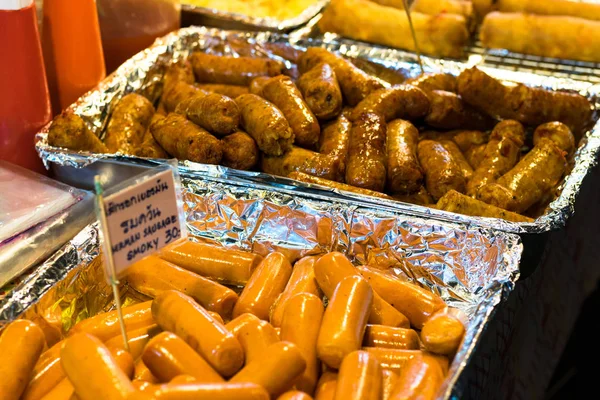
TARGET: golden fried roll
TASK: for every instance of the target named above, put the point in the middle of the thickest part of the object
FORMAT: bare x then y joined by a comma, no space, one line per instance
429,82
46,374
302,160
168,356
255,336
420,378
420,197
178,93
458,157
106,325
210,68
448,111
257,85
389,379
404,174
231,91
367,159
345,320
402,101
355,84
321,91
299,176
179,72
282,92
92,369
485,93
241,321
391,337
181,315
442,35
185,140
214,112
21,344
393,359
153,275
359,378
416,303
501,154
459,203
302,280
69,131
559,133
294,395
128,124
442,334
149,147
326,386
136,339
300,325
552,7
475,155
442,173
209,391
281,364
436,7
529,181
266,124
239,151
265,285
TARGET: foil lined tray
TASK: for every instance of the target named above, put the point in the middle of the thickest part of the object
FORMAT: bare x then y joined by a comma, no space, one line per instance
472,268
144,71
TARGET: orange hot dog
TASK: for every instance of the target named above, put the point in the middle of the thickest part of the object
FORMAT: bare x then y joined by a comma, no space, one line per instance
219,263
300,325
302,280
183,379
106,326
331,268
239,322
211,391
420,378
391,338
217,316
359,377
265,285
416,303
153,275
389,379
393,359
92,369
137,340
21,344
168,356
255,337
47,373
276,371
442,334
345,320
326,386
179,314
61,391
294,395
143,373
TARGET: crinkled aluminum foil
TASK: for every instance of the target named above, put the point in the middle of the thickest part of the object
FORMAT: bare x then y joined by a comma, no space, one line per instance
473,269
144,71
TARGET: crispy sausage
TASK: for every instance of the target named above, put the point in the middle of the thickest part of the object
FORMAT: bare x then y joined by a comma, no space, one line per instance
467,139
294,395
210,68
231,91
266,124
334,139
442,173
345,320
178,93
331,268
265,285
180,314
179,72
442,334
458,157
128,124
391,337
302,160
46,374
420,197
326,386
429,82
416,303
401,101
354,83
239,151
299,176
363,367
276,371
559,133
475,155
255,336
210,391
456,202
485,93
69,131
420,378
219,263
300,325
321,90
366,162
448,111
257,85
393,359
149,147
136,339
389,379
214,112
185,140
404,174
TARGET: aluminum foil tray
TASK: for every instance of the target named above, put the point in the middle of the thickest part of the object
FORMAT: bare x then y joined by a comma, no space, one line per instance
472,268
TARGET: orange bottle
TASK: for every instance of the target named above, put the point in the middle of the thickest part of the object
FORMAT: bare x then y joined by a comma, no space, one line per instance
72,49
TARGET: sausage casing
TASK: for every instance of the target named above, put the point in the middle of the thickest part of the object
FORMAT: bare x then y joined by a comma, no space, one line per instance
558,132
321,91
442,173
442,334
429,82
302,160
391,337
404,174
459,203
178,92
402,101
239,151
210,68
255,336
334,140
458,157
214,112
128,124
448,111
69,131
363,367
300,176
231,91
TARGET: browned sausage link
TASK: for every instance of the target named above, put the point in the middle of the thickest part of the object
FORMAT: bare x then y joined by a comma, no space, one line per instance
529,181
449,112
180,72
334,140
177,93
257,85
475,154
210,68
485,93
441,171
239,151
284,50
403,101
366,162
150,147
420,197
501,154
282,92
128,123
558,132
299,159
465,140
266,124
185,140
404,174
354,82
429,82
321,90
232,91
214,112
459,158
461,204
69,131
300,176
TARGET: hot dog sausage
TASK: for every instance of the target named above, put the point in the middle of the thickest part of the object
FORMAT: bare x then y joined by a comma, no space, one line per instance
128,124
391,337
402,101
422,377
255,336
404,174
142,373
46,374
363,367
459,203
442,334
239,151
69,131
210,391
393,359
302,160
214,112
321,90
300,176
236,324
136,339
232,70
389,379
442,173
326,386
294,395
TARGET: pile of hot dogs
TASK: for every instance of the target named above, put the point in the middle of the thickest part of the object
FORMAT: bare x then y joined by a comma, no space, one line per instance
199,339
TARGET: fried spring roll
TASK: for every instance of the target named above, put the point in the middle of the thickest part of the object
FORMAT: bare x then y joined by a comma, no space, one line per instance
436,7
321,91
302,160
442,173
239,151
128,124
214,112
69,131
299,176
402,101
461,204
231,91
579,9
404,174
448,111
210,68
559,133
429,82
391,337
459,158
